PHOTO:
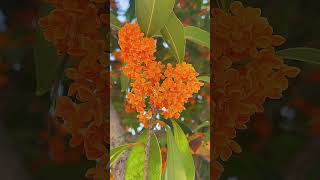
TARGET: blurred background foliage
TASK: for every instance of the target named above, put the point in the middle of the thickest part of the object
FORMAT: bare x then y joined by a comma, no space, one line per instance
283,142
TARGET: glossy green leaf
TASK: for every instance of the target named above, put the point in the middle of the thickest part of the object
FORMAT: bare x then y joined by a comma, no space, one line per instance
116,152
184,149
124,82
135,163
197,35
114,22
174,165
46,59
204,79
153,14
304,54
173,33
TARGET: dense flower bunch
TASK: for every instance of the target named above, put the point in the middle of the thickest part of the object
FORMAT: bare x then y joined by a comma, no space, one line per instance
73,26
246,71
166,89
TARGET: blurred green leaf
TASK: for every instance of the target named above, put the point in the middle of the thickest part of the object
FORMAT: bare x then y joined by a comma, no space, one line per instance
204,79
135,163
46,59
197,35
124,82
202,125
173,34
309,55
226,4
115,23
184,149
153,14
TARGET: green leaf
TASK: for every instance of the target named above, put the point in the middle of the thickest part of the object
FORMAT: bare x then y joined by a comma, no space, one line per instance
135,163
173,34
226,4
115,23
165,55
174,164
204,79
304,54
153,14
197,35
124,82
202,125
157,34
116,152
184,149
46,59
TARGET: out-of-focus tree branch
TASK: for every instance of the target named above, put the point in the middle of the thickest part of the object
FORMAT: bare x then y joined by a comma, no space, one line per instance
117,138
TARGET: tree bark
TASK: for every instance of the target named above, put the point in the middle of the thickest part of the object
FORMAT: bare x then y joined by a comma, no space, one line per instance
117,138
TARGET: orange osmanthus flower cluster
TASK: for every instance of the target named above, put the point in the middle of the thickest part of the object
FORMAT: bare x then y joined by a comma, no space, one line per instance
166,88
246,71
73,26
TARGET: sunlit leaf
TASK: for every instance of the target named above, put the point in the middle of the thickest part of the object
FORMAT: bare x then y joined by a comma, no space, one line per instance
173,34
153,14
135,162
204,79
197,35
118,151
304,54
184,150
174,165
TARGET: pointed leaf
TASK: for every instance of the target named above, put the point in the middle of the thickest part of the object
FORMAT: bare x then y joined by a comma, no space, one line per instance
309,55
197,35
173,34
184,149
116,152
174,164
153,14
135,163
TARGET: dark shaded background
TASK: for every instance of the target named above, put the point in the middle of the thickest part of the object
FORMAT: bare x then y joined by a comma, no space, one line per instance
284,141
